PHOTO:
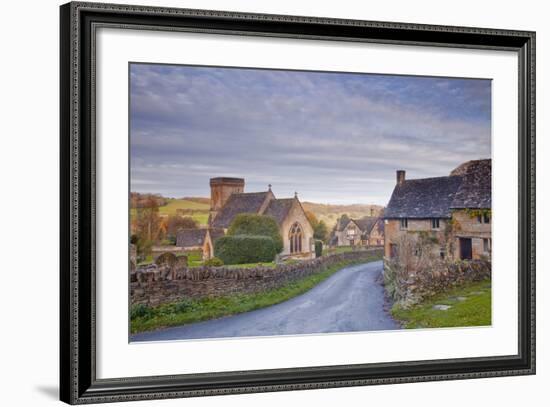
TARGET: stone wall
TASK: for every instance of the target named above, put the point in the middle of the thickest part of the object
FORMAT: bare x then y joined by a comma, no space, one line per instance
154,285
410,289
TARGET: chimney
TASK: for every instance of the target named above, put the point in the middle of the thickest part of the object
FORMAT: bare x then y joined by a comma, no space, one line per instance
400,176
220,190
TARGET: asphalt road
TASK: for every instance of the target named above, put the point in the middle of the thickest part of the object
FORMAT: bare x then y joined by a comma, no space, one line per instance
350,300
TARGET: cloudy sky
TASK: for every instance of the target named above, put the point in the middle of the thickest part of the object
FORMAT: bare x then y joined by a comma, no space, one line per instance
332,137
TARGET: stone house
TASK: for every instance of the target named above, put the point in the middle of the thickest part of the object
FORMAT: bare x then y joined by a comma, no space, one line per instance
365,231
452,214
198,239
228,200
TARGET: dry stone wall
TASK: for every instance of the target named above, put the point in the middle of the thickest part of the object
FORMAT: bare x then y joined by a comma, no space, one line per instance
410,289
157,284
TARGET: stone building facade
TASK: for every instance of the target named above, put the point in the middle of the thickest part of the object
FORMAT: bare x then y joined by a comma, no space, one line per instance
365,231
451,214
228,200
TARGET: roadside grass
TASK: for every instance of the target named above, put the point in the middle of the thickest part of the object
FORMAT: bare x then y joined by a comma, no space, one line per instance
187,311
270,264
470,306
337,250
194,258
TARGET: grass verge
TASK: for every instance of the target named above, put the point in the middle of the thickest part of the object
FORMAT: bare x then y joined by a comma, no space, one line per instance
470,305
143,318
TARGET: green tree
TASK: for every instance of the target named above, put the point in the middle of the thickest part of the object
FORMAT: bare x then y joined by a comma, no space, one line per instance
256,225
147,226
320,231
312,219
176,222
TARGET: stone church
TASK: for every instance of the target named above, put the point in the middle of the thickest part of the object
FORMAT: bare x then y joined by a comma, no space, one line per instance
228,199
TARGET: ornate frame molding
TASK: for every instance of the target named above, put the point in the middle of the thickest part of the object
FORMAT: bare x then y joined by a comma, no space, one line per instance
79,21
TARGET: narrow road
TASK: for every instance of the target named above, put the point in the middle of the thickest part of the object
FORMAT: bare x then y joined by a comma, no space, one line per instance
350,300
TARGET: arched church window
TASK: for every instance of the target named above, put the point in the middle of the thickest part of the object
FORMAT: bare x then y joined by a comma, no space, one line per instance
295,237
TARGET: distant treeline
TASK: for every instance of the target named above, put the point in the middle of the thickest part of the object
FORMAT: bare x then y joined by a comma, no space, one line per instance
138,200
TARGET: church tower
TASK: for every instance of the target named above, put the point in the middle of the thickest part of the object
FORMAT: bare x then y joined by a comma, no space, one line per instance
220,190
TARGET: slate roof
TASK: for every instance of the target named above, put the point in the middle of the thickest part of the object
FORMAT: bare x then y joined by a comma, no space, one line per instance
475,190
278,208
380,223
468,186
366,223
423,198
216,233
190,237
342,225
246,202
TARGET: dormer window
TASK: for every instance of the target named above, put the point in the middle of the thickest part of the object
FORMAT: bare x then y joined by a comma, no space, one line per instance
404,223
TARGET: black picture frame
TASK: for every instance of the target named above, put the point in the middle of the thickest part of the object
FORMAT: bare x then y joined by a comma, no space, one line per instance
78,382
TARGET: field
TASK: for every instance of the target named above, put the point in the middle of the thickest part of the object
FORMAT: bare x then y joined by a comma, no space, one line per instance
175,204
198,209
194,208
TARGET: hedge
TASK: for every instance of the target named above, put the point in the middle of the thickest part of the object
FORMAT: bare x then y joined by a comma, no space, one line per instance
318,248
243,249
256,225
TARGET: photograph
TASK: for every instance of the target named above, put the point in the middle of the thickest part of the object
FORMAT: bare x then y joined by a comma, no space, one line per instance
270,202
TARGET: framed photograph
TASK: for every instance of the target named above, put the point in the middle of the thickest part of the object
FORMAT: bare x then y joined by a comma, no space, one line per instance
254,203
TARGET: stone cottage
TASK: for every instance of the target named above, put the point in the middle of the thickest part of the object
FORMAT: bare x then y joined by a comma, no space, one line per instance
365,231
198,239
228,200
453,212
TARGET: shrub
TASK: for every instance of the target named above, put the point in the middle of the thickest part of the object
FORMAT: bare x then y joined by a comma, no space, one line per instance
245,249
256,225
166,259
214,262
139,310
318,248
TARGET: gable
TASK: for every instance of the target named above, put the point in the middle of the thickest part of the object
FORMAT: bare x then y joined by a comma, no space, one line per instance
279,209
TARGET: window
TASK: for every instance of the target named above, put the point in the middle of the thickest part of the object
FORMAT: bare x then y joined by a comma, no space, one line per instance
295,237
404,223
435,223
442,252
486,245
485,218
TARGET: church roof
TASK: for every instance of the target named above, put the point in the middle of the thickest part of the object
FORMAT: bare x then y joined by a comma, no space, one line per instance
190,237
246,202
279,208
